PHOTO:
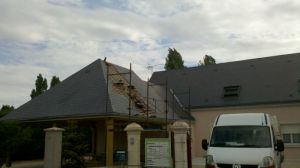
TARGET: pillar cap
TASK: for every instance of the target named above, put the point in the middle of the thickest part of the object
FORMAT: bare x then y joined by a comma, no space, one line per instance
133,127
180,125
54,129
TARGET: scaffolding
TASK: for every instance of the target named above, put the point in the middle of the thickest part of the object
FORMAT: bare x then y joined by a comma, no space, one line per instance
148,107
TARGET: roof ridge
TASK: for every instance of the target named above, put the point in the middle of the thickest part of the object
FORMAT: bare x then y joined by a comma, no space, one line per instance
232,62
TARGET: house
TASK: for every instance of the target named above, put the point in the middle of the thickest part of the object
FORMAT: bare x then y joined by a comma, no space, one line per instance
269,85
104,98
98,97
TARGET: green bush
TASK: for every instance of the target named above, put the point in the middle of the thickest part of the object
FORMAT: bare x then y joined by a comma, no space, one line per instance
75,146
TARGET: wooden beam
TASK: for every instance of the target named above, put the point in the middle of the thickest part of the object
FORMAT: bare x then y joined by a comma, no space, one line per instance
109,142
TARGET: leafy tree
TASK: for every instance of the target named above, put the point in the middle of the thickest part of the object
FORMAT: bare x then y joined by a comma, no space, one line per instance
34,147
75,146
13,137
55,80
6,109
173,60
207,60
40,86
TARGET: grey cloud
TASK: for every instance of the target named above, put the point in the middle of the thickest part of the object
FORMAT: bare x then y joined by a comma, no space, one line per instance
60,37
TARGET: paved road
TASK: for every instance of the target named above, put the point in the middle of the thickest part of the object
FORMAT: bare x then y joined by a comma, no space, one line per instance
197,163
27,164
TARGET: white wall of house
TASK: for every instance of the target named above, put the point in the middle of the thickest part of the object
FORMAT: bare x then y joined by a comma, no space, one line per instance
288,116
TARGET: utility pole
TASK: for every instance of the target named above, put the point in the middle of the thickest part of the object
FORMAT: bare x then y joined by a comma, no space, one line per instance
147,108
129,92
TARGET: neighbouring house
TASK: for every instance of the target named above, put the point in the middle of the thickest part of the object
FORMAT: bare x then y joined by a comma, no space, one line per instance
269,85
104,98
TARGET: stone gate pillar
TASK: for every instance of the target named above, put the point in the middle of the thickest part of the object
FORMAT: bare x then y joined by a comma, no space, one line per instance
53,147
133,144
180,129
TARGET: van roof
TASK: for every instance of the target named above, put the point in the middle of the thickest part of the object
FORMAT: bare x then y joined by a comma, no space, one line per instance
242,119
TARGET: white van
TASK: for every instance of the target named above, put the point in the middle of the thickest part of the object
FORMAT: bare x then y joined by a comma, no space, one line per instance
248,140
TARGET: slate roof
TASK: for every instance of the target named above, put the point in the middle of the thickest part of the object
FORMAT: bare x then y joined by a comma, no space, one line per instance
83,94
265,80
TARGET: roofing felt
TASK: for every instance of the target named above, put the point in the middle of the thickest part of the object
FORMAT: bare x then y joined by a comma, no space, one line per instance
84,94
265,80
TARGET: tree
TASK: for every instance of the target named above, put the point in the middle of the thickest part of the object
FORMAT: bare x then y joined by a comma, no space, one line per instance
5,110
55,80
207,60
40,86
13,137
173,60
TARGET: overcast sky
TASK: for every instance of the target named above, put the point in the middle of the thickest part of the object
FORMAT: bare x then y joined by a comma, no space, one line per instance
59,37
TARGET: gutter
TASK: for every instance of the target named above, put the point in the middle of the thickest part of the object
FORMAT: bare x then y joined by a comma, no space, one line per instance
93,117
247,104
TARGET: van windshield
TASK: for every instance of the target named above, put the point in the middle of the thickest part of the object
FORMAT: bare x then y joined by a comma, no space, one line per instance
241,136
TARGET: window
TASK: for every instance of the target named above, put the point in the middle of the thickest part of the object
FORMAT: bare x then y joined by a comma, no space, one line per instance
291,138
231,91
291,134
296,138
286,138
299,85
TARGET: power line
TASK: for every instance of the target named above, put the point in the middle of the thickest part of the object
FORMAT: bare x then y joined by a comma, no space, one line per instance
151,67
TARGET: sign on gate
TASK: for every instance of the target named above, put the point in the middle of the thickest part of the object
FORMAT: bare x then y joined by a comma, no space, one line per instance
158,152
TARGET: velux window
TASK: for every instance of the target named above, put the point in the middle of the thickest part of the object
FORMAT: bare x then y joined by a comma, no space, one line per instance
231,91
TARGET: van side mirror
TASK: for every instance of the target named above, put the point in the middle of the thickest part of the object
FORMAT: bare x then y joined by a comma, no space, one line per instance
204,144
279,145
